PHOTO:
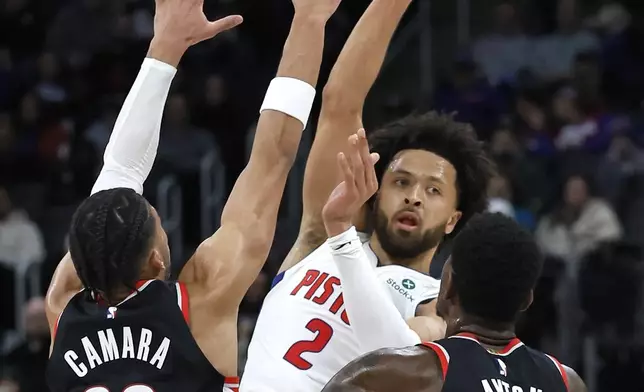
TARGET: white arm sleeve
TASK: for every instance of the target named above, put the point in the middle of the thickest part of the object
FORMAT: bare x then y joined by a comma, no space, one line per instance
132,148
373,316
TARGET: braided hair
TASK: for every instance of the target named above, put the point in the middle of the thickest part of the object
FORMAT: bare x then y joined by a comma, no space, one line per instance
110,235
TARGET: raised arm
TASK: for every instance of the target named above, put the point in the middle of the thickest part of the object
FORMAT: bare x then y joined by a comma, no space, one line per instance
133,143
227,263
390,370
354,73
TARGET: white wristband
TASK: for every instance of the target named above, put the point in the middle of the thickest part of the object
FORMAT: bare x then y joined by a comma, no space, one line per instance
290,96
344,241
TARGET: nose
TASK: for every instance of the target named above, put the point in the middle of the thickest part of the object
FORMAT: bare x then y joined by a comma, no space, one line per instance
414,197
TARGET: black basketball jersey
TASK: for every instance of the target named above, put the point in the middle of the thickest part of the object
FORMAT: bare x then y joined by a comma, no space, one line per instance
469,367
143,344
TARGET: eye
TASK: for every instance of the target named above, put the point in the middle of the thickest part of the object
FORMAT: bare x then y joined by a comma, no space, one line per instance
432,190
401,182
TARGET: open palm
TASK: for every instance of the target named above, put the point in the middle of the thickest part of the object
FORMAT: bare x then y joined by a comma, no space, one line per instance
358,184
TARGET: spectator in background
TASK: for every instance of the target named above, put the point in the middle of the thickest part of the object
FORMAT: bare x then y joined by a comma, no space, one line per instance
500,196
182,145
220,113
620,177
28,126
622,161
533,125
580,130
529,176
506,50
21,243
586,77
49,87
622,54
20,239
579,225
81,29
472,99
28,361
554,54
98,132
8,383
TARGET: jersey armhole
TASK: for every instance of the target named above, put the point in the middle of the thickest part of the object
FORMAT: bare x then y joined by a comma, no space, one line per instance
442,355
53,334
278,278
562,371
183,300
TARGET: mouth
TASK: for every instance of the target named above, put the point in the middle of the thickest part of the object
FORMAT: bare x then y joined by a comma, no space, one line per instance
407,221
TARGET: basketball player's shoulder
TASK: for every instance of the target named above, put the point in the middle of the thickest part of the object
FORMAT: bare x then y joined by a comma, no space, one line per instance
575,383
569,376
389,368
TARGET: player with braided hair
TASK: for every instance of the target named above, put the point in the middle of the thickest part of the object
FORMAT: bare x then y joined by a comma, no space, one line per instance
108,231
116,323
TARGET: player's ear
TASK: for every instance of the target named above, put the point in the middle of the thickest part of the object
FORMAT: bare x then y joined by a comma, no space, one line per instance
528,301
452,222
155,262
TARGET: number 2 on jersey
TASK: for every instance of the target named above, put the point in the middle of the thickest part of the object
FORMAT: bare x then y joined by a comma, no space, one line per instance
324,333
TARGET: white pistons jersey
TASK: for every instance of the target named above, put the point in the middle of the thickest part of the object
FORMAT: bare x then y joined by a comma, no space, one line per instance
303,336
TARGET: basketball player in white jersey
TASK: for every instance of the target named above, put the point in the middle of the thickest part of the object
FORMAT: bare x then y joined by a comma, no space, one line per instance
119,250
433,175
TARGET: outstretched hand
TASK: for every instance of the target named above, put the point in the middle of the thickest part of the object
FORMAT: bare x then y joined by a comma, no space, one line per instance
179,24
359,183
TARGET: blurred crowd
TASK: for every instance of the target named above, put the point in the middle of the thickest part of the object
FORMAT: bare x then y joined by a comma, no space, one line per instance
556,95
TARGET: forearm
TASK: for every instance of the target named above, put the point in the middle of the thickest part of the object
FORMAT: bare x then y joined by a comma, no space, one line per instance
278,134
374,318
132,147
354,73
362,57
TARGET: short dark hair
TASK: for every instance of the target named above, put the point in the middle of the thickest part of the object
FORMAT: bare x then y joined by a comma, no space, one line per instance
452,140
110,233
495,264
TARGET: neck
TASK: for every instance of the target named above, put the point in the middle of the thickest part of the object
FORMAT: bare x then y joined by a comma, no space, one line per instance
493,334
419,263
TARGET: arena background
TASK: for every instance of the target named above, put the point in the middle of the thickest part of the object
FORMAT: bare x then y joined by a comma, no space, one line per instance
554,87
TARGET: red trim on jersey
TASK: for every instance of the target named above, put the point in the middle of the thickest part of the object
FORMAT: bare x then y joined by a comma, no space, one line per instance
468,335
185,302
140,283
232,383
441,353
508,347
137,286
53,334
562,371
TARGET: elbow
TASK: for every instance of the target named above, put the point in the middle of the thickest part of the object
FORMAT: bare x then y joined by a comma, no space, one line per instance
338,100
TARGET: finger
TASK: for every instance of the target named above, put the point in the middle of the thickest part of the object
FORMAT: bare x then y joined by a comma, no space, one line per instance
347,172
365,158
372,180
356,163
223,24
